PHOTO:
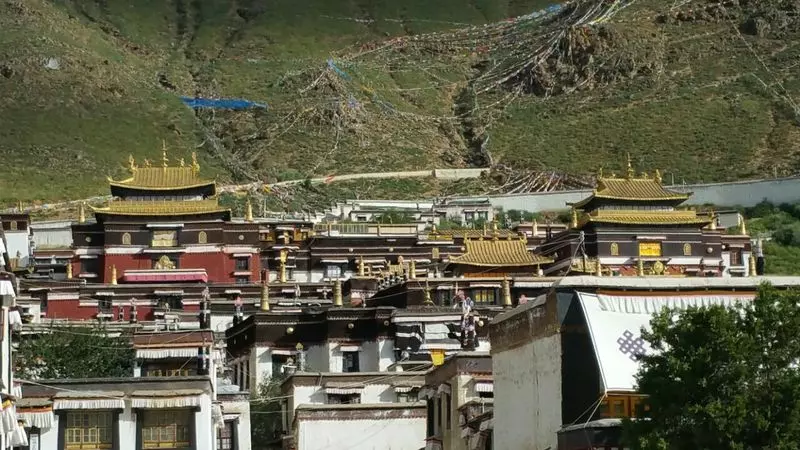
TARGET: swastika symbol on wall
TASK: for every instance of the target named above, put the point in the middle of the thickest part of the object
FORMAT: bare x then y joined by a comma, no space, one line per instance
633,347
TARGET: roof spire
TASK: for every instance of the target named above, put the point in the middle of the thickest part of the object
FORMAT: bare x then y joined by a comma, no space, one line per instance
658,176
131,164
164,159
630,173
600,172
248,215
195,165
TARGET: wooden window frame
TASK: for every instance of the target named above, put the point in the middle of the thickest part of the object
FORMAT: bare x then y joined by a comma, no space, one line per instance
77,436
159,421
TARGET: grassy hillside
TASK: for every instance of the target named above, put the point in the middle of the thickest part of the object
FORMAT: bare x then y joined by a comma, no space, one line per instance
702,90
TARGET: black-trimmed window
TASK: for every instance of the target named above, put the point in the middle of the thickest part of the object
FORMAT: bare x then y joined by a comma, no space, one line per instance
242,264
350,362
226,436
344,399
484,296
167,428
89,430
736,257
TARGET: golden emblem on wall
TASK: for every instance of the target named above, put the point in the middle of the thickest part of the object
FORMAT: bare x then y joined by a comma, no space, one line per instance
126,239
164,263
614,249
687,249
202,237
658,268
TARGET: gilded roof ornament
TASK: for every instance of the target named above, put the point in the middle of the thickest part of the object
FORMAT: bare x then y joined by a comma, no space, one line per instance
131,164
146,162
658,176
195,164
182,162
630,173
164,160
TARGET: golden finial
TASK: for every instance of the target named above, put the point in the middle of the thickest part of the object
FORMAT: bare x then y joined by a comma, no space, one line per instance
69,270
658,176
264,296
361,269
248,215
182,162
599,271
640,268
644,175
428,301
713,225
600,172
82,213
631,173
495,231
195,164
574,221
164,160
146,162
131,164
113,274
506,293
337,293
752,265
742,225
535,231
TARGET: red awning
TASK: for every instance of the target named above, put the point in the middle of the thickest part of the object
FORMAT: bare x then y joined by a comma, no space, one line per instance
161,276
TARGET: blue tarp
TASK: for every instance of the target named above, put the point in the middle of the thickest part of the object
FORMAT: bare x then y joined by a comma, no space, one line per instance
230,103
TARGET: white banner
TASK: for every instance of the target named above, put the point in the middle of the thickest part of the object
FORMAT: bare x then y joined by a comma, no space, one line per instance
615,325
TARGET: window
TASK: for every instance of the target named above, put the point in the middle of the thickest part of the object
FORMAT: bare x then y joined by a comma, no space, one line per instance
166,429
242,264
618,406
651,249
469,217
687,249
448,407
202,237
168,373
614,249
484,296
344,399
13,225
88,430
483,215
333,271
736,257
126,239
165,238
225,436
170,302
104,305
242,279
408,397
350,362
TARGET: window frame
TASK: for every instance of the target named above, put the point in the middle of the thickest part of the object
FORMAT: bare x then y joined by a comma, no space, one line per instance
738,259
341,397
230,427
242,264
166,418
71,429
355,361
479,295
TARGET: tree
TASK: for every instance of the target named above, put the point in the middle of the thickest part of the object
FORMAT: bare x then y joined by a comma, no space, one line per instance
723,378
265,412
70,352
394,216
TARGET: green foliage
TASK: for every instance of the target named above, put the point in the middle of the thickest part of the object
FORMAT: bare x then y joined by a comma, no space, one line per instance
722,378
688,88
782,224
265,411
394,216
69,352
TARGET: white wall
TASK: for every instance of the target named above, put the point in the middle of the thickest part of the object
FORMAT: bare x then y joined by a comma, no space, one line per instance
527,395
18,241
372,393
379,434
205,431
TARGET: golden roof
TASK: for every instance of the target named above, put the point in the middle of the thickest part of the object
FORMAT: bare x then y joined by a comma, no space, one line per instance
163,177
640,189
645,217
498,253
161,207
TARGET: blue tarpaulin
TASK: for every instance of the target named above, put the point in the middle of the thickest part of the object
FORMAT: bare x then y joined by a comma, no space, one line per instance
229,103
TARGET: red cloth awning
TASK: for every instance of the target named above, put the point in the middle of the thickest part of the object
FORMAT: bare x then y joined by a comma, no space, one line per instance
161,276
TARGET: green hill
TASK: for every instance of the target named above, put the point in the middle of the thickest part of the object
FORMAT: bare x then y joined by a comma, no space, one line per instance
703,90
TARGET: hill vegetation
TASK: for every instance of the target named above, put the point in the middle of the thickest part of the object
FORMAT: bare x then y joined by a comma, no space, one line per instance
704,90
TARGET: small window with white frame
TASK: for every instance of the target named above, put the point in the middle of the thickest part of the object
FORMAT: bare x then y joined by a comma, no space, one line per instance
333,271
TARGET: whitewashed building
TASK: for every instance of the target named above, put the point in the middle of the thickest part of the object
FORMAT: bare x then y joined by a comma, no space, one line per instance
569,356
354,411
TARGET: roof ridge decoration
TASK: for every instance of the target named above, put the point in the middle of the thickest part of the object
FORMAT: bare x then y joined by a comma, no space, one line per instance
166,177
